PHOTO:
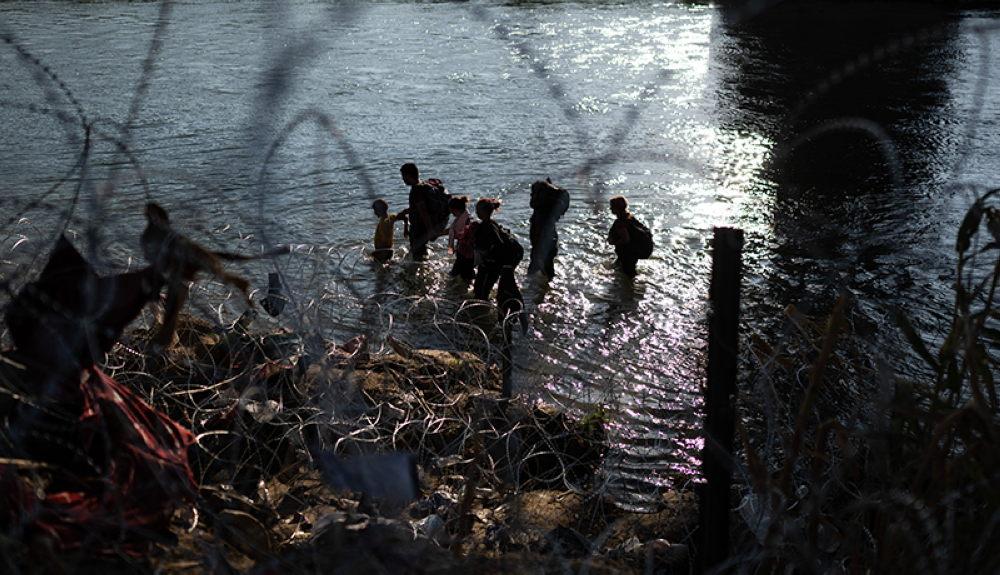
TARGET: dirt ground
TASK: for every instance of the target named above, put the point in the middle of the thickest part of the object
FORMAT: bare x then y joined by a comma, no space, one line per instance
501,485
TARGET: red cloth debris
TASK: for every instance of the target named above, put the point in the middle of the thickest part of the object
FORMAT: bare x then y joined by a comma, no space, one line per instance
131,472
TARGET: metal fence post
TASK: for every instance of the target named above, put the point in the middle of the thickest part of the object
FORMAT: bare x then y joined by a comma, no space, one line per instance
720,409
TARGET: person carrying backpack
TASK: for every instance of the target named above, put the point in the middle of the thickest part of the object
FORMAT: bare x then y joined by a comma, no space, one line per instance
632,240
548,203
497,254
428,210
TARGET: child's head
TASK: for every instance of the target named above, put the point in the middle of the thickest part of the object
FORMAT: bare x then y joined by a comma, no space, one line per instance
486,206
619,205
458,205
381,208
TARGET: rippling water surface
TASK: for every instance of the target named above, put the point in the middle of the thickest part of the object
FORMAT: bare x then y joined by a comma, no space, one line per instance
284,122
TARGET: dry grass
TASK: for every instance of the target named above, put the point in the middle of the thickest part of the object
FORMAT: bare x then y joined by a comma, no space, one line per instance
853,471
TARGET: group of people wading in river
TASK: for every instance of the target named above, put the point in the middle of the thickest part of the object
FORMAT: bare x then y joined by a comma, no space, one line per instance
486,253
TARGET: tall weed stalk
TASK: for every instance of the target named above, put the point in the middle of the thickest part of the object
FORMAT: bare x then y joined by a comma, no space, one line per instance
858,489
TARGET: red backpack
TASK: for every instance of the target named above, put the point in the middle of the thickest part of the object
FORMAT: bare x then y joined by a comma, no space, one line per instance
465,243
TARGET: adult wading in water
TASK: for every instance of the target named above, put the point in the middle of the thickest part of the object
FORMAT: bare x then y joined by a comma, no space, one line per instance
422,229
497,255
548,203
620,238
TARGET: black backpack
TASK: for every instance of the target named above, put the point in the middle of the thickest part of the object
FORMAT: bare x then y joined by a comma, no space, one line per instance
551,200
640,236
437,204
509,252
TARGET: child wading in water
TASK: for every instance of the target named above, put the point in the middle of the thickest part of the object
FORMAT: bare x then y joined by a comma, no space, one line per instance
460,238
618,236
497,254
385,229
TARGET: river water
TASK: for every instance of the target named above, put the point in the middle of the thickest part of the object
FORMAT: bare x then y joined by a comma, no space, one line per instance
256,122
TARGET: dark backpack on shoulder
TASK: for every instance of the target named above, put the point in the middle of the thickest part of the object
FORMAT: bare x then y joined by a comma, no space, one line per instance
509,252
437,204
640,236
551,200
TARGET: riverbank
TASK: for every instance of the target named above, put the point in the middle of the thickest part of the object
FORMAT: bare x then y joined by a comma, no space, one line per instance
291,466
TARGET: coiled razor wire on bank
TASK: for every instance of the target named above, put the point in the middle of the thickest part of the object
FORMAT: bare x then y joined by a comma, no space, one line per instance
276,430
